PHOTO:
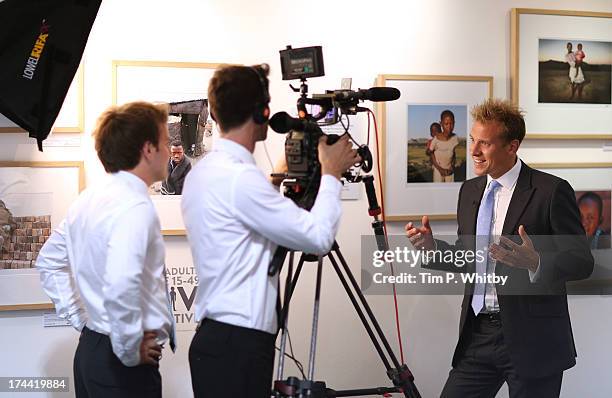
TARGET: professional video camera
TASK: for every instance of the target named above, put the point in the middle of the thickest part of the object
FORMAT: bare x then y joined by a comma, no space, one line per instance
304,170
301,185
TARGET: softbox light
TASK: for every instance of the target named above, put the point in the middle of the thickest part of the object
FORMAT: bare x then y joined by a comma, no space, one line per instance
41,45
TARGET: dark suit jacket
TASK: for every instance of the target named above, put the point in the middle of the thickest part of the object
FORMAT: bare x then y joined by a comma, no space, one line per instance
176,177
536,324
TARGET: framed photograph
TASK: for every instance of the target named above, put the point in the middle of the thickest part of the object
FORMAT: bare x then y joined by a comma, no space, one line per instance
183,85
34,198
424,143
592,183
561,72
595,217
71,116
435,152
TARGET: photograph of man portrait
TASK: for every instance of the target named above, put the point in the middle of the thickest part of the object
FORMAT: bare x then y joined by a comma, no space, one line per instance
574,71
190,128
595,211
183,86
436,143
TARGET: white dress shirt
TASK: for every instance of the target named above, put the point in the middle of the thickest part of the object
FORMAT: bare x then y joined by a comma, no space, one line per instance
500,208
235,218
104,265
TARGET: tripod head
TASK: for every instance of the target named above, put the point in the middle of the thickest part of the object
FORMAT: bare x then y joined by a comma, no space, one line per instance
374,210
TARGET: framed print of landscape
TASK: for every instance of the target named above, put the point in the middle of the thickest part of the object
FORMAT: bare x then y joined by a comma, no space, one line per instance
561,72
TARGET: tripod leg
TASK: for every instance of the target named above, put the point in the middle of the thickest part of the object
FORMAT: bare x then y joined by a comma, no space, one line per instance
366,306
401,375
296,276
359,311
315,321
284,319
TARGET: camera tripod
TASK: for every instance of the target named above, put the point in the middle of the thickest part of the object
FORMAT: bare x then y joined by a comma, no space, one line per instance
399,374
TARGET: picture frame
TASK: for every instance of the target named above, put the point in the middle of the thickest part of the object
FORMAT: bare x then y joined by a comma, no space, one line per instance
409,201
35,198
71,118
588,177
581,176
540,58
176,81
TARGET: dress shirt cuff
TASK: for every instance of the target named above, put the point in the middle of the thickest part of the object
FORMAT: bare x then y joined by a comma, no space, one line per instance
78,319
129,356
535,276
425,259
331,184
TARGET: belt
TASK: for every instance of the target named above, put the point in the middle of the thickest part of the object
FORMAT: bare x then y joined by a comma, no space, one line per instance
489,316
233,329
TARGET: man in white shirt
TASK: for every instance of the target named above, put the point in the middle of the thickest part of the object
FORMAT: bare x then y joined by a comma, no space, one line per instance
235,220
103,266
519,332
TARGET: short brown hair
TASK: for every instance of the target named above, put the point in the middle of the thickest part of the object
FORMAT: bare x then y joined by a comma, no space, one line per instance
508,115
123,130
233,93
447,113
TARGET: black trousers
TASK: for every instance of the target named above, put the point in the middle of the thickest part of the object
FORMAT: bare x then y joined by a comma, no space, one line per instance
231,361
485,365
98,373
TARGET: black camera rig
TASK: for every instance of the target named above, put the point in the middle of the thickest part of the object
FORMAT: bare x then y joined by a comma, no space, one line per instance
301,183
303,168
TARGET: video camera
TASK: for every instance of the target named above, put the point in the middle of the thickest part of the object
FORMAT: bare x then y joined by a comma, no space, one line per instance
304,170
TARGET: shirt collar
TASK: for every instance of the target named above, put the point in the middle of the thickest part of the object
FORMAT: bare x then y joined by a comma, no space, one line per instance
508,180
234,149
135,182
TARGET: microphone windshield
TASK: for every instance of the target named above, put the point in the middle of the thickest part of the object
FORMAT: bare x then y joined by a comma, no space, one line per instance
377,94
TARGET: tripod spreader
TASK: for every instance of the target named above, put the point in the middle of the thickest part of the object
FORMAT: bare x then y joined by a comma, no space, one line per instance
404,379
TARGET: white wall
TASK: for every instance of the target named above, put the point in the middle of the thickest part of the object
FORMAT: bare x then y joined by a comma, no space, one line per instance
361,39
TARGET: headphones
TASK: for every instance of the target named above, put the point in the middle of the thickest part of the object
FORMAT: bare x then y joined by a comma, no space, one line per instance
261,113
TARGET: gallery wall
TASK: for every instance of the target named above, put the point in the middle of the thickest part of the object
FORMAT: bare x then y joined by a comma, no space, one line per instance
360,39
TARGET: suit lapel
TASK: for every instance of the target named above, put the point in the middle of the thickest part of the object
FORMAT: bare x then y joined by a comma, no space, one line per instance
470,214
521,196
467,219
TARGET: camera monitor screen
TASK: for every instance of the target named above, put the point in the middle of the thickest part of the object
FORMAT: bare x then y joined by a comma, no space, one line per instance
302,63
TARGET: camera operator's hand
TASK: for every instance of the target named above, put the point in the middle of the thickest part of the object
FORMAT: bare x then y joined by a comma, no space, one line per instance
337,158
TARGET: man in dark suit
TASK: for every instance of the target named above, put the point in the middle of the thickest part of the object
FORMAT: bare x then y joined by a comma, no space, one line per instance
178,167
518,332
